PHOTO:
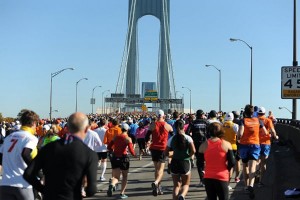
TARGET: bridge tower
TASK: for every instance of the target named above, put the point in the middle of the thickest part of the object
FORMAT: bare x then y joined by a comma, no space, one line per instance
129,70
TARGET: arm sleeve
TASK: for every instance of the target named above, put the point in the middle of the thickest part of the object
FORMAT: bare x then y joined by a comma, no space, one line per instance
230,159
91,175
32,171
147,137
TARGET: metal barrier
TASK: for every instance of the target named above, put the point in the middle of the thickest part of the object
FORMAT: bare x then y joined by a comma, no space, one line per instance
291,122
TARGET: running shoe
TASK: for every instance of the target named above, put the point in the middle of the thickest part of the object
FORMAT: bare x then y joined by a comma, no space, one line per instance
160,191
229,187
154,189
251,192
83,193
237,179
180,197
201,184
110,190
123,196
102,178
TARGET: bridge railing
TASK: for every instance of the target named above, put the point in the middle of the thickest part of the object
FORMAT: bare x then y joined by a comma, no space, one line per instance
291,122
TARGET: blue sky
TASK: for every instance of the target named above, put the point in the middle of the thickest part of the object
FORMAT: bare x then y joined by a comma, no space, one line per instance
41,37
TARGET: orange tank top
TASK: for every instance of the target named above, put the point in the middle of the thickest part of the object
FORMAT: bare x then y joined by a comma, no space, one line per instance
265,138
215,159
251,131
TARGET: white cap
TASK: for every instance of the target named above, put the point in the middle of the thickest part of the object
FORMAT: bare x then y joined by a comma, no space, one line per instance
261,110
160,113
125,126
229,117
46,127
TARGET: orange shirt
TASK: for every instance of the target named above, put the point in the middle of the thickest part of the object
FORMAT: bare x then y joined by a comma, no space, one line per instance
39,131
263,138
111,133
251,131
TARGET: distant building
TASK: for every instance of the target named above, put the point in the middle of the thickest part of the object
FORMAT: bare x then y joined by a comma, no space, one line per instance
147,86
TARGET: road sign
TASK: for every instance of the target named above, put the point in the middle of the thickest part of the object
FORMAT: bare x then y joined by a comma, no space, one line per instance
144,107
290,82
151,95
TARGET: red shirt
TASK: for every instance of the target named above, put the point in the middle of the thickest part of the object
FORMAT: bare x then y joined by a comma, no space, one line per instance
159,137
120,144
215,159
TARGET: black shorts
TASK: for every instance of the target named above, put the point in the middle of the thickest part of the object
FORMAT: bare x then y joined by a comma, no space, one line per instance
102,155
141,143
180,167
133,139
122,163
158,155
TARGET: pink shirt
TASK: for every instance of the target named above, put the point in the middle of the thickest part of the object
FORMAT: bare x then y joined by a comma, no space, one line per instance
141,132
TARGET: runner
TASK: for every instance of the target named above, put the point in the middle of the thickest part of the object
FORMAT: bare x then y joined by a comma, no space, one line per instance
159,131
198,131
140,136
249,130
265,142
219,160
102,154
64,163
120,160
183,148
16,153
230,133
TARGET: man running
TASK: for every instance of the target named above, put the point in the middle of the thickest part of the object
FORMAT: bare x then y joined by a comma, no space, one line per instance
159,131
16,153
265,142
64,163
198,131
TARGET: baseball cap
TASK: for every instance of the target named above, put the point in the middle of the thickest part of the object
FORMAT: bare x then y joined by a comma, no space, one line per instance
46,127
160,113
261,110
212,113
229,117
125,126
199,112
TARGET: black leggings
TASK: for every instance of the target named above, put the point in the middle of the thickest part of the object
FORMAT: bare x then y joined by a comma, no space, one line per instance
216,188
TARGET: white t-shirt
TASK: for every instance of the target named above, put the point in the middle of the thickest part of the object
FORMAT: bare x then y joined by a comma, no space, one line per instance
92,140
12,161
101,132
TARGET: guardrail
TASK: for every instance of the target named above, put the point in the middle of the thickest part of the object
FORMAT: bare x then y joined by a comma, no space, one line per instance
291,122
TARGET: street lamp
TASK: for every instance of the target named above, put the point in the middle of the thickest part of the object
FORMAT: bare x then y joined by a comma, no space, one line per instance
93,100
220,87
76,90
103,100
52,76
286,109
251,50
190,98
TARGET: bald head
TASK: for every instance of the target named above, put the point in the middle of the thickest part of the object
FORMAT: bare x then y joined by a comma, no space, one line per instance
77,122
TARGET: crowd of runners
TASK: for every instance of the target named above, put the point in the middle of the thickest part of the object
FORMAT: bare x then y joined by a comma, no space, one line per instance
223,146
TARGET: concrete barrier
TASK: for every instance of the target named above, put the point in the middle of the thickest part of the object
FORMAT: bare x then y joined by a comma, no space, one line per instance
290,134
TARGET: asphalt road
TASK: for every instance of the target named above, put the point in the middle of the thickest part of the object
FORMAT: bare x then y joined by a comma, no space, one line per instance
141,176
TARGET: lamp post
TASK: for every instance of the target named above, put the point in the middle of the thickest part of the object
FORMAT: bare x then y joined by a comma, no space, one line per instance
220,86
52,76
295,62
286,109
103,100
76,90
93,100
251,50
190,98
